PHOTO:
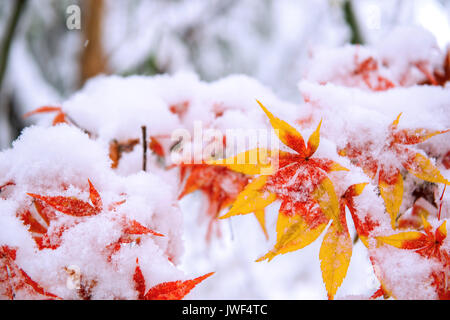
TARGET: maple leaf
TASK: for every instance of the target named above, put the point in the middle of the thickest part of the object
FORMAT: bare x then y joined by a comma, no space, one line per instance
220,185
308,199
156,147
131,233
38,222
9,183
174,290
427,244
295,232
390,180
59,118
368,70
379,293
412,219
180,109
116,150
363,227
73,206
13,279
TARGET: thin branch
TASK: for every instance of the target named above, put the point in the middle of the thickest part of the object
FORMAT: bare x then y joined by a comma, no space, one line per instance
144,147
17,11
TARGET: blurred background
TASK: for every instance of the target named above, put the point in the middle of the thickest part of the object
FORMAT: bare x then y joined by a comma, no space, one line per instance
49,48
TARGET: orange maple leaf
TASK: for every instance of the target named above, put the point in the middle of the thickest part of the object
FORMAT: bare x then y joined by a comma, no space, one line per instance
174,290
59,118
211,181
156,147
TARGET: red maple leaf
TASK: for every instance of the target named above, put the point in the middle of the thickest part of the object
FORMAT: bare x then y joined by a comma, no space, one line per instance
73,206
427,244
173,290
368,70
38,220
131,233
14,280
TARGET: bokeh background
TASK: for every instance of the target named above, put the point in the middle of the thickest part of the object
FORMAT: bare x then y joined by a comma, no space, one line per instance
43,62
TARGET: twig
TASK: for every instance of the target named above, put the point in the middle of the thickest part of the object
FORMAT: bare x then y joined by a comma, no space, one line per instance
17,11
144,147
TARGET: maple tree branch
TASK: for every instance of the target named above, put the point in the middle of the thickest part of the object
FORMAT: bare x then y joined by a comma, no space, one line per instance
144,147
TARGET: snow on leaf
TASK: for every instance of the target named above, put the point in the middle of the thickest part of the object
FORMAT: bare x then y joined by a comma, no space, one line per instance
38,222
131,233
427,244
134,227
309,202
13,279
390,181
73,206
422,168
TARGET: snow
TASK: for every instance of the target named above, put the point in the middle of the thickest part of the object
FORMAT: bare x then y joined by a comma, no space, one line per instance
45,166
59,160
